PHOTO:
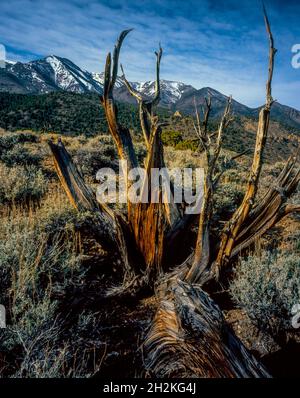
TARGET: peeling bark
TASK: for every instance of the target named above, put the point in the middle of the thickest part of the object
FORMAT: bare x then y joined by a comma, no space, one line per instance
190,338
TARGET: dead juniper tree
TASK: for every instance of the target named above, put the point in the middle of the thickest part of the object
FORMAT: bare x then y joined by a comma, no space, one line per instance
188,336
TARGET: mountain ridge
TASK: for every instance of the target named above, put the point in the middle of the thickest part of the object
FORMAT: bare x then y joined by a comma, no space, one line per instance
54,73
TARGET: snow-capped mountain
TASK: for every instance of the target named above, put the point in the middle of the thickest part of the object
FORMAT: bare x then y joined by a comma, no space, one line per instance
99,77
51,74
68,76
171,91
54,73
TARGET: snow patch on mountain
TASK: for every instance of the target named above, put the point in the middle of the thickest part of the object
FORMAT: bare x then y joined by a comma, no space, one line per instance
62,76
69,77
99,78
9,62
171,91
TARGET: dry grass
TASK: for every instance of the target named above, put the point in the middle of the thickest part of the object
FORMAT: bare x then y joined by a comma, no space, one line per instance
40,260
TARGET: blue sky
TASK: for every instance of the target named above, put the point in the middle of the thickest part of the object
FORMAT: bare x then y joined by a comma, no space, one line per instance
221,44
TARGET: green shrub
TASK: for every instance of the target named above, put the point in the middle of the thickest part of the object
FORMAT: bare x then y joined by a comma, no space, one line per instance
175,139
90,160
171,138
39,267
140,151
21,184
228,196
187,144
7,141
267,287
18,155
13,152
34,256
235,176
36,268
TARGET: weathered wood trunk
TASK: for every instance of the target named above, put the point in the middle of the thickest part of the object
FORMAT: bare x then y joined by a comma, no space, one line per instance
150,219
190,338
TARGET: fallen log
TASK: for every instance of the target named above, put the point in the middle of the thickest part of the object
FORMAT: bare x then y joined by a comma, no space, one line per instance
189,337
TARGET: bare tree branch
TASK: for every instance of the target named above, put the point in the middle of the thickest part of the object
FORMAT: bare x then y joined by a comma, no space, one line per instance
233,227
201,263
120,134
145,105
